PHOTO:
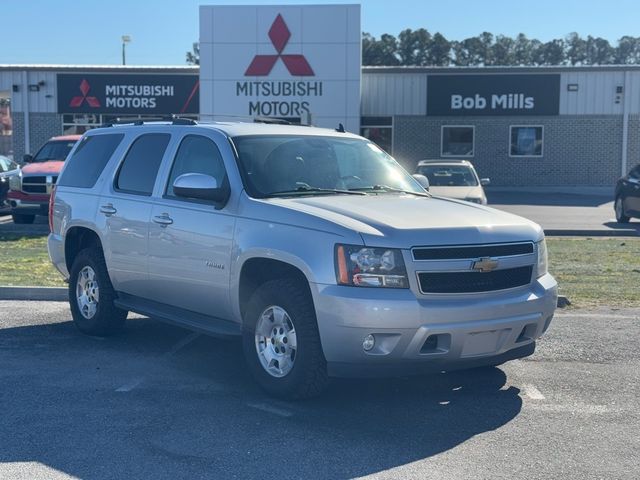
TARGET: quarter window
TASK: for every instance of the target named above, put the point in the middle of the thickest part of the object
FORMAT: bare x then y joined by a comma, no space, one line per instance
197,154
458,141
89,159
139,169
526,141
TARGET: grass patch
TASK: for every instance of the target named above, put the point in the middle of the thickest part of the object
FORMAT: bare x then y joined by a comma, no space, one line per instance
590,271
597,271
24,261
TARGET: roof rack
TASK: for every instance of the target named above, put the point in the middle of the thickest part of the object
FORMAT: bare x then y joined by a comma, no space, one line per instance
141,121
271,120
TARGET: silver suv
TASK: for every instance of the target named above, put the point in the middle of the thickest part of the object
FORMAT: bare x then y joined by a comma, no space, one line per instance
314,245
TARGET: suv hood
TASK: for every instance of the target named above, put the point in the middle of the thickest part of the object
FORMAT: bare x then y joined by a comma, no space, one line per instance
404,221
50,167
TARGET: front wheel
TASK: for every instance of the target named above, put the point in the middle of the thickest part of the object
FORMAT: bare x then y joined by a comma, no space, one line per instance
619,208
91,295
281,342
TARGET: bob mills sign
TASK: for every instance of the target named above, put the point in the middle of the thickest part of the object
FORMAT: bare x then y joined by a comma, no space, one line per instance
493,94
300,63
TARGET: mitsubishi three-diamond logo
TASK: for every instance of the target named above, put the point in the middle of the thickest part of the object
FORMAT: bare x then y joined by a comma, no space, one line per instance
77,101
262,65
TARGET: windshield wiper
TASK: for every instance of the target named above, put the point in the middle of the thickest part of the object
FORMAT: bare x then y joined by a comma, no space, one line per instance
311,190
387,188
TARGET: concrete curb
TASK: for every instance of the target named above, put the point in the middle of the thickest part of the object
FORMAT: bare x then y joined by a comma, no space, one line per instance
591,233
50,294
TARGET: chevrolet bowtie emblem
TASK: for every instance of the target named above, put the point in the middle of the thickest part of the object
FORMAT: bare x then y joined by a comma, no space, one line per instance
485,264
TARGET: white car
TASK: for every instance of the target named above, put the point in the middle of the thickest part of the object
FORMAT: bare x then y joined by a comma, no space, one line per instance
454,179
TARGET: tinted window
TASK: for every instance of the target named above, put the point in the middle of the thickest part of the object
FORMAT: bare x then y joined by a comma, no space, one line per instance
55,150
6,165
140,167
635,172
449,175
197,154
89,159
526,141
457,141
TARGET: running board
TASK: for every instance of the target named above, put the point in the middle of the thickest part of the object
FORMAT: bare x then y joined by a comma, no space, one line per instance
214,326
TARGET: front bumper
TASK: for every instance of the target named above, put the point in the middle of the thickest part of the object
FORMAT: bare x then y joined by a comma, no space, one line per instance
415,335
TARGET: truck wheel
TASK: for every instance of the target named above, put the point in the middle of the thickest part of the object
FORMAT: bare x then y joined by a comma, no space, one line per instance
91,295
281,341
619,208
21,219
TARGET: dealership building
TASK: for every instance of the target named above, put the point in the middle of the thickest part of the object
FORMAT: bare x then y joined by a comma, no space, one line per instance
520,126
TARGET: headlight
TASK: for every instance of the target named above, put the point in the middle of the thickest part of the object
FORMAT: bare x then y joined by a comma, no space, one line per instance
543,261
370,267
15,182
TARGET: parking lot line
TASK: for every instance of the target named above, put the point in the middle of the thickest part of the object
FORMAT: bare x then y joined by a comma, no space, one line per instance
265,407
532,392
181,344
127,387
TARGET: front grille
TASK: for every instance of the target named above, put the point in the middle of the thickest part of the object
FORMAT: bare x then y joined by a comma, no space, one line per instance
457,252
36,184
474,282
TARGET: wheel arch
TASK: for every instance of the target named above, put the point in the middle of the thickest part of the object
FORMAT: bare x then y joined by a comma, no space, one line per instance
76,239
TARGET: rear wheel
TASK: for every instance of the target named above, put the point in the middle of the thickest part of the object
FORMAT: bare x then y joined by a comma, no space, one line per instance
281,341
619,208
91,295
21,219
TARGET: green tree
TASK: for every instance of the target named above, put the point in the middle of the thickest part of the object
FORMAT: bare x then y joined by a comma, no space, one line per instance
379,52
413,46
549,53
599,51
193,57
576,49
439,52
503,51
627,51
522,50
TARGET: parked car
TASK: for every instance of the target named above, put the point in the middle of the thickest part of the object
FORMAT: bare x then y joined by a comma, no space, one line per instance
314,245
454,179
29,191
8,169
627,196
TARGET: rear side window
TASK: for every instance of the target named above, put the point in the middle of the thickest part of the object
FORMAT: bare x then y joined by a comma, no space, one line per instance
87,162
139,169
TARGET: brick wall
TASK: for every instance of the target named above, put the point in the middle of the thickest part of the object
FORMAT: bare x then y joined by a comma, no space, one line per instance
633,142
578,150
43,126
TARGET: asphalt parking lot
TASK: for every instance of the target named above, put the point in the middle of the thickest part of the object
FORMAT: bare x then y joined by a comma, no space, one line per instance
161,402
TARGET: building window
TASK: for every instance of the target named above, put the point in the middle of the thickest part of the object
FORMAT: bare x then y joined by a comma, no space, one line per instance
6,125
457,141
379,130
526,140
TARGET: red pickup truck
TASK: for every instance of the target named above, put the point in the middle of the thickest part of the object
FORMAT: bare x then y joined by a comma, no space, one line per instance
29,192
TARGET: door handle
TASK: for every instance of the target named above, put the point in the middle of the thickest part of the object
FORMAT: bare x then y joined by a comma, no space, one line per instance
163,220
108,209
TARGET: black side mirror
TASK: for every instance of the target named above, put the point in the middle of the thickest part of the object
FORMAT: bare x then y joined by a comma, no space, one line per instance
201,187
27,158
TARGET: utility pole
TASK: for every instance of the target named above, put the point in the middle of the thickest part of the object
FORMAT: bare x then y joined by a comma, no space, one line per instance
125,39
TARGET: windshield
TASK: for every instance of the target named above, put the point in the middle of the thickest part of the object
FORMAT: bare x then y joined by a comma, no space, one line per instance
449,175
6,165
55,150
311,165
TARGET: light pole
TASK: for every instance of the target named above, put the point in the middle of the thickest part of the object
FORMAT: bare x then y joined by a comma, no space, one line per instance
125,39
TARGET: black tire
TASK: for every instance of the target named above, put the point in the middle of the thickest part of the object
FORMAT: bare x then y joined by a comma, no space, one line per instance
21,219
108,319
308,376
619,209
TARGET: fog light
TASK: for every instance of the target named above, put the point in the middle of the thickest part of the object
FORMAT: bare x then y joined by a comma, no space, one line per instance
368,342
